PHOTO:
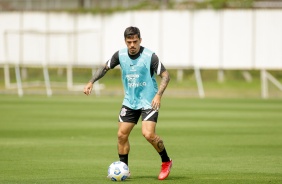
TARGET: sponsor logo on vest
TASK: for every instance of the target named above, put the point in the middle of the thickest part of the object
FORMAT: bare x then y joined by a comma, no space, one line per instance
131,78
135,85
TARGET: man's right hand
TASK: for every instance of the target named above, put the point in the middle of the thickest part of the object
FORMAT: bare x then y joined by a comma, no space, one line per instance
88,88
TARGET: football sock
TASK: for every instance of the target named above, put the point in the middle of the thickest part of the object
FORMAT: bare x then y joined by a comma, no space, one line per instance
123,158
164,156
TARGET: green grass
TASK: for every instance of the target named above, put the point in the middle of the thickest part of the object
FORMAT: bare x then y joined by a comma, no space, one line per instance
72,139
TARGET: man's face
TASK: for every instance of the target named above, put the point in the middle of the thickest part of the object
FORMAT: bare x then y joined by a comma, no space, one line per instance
133,44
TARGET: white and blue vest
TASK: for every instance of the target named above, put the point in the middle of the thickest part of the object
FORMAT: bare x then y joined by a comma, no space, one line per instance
139,86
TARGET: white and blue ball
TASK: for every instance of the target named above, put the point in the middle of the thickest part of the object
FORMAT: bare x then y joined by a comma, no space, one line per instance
118,171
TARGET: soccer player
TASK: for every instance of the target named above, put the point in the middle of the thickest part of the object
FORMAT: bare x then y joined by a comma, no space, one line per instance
142,94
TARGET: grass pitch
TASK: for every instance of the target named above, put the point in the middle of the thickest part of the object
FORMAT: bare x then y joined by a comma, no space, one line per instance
72,139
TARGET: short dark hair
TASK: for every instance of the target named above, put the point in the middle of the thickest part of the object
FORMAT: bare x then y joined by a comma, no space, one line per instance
131,31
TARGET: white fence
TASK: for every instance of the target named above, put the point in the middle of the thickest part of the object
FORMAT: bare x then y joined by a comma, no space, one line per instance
229,39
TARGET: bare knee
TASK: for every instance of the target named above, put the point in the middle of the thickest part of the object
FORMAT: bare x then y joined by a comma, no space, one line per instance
122,137
155,140
149,136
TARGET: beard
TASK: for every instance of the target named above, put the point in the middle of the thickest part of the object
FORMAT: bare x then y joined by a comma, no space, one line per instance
133,51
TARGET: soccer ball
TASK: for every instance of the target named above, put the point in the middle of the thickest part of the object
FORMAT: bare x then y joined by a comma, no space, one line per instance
118,171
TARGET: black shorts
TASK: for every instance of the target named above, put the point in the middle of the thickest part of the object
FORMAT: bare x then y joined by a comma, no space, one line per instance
130,115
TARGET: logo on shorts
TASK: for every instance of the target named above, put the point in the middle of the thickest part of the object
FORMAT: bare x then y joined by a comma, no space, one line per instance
123,111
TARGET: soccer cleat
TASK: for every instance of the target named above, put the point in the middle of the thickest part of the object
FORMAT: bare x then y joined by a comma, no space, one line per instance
165,170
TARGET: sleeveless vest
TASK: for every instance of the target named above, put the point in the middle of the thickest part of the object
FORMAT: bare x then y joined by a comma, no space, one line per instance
139,86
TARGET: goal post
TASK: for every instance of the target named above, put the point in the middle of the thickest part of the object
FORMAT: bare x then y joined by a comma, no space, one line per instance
45,49
265,77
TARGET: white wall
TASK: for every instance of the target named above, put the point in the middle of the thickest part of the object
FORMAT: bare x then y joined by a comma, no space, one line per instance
229,39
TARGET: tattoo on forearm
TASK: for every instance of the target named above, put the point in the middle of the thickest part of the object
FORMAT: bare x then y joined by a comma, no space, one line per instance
163,84
99,74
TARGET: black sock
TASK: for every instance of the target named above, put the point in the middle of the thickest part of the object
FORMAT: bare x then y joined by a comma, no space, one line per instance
123,158
164,156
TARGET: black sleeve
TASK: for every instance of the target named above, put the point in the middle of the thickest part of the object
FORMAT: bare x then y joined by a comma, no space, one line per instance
156,66
114,61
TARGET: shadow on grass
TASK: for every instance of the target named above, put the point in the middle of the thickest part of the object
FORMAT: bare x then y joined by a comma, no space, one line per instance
170,178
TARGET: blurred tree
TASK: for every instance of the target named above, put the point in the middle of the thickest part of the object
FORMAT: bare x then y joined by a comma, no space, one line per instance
221,4
81,3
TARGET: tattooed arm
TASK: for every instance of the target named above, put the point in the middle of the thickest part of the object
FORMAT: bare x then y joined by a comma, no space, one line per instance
98,75
156,102
110,64
164,82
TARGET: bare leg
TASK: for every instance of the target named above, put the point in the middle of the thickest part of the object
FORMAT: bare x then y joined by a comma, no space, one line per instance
148,131
124,130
